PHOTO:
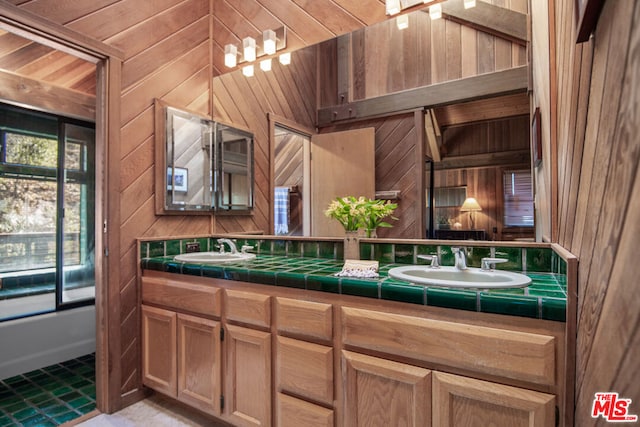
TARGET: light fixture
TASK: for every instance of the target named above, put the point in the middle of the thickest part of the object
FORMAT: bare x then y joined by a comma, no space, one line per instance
247,70
469,4
470,205
269,42
402,22
435,11
249,49
265,64
285,58
230,55
393,7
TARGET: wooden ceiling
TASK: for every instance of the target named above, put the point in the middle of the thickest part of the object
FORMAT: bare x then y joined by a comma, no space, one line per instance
25,59
307,21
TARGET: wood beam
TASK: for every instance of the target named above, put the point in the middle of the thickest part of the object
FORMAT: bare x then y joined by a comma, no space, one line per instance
483,109
50,98
503,82
499,21
503,158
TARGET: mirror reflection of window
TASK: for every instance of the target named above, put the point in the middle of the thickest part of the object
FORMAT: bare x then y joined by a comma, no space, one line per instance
518,199
289,171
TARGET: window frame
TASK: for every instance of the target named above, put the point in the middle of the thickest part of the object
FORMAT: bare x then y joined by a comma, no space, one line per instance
85,176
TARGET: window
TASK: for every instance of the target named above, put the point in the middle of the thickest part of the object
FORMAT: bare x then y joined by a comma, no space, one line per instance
46,212
518,199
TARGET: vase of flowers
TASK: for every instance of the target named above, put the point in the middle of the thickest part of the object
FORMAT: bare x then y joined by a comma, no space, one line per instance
356,213
375,213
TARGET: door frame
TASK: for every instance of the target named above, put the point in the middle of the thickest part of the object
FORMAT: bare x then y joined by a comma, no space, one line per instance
108,60
275,120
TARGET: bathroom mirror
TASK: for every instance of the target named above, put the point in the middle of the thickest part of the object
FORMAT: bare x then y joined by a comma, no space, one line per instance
233,166
204,165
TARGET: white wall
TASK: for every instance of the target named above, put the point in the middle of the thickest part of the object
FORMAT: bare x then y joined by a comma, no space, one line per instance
35,342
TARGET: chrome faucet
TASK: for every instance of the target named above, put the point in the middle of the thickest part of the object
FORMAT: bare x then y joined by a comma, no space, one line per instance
232,245
460,257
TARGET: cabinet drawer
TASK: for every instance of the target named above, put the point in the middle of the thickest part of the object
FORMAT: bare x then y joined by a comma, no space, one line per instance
292,412
248,307
305,369
304,319
499,352
178,295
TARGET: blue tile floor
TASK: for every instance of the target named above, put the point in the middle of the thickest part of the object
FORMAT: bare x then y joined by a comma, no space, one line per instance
49,396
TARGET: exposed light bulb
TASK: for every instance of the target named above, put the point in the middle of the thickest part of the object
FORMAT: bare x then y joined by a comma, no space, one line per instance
269,42
247,70
230,55
469,4
435,11
393,7
249,48
285,58
402,22
265,65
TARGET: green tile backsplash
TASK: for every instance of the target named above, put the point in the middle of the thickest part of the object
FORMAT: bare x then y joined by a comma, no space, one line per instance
311,265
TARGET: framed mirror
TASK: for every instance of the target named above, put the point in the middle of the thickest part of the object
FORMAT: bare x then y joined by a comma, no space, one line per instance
233,166
203,165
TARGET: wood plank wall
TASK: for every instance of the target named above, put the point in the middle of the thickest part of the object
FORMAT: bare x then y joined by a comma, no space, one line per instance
385,60
483,183
168,46
599,188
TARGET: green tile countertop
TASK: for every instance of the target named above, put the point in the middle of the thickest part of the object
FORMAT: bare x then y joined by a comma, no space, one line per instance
545,298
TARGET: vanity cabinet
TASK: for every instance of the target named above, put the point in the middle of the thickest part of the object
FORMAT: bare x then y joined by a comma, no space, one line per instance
181,341
304,363
462,401
292,357
181,357
247,358
379,392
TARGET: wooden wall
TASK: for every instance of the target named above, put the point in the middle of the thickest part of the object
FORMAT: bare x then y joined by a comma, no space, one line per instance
172,48
599,188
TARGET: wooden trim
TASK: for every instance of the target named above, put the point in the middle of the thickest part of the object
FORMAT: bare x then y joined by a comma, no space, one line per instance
419,120
20,89
109,310
515,157
274,120
37,28
512,80
344,61
499,21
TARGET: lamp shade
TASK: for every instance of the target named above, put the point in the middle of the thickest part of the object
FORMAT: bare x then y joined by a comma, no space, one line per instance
470,205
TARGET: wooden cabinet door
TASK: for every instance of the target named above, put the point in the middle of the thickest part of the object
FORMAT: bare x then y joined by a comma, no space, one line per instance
199,366
293,412
379,392
159,350
467,402
248,376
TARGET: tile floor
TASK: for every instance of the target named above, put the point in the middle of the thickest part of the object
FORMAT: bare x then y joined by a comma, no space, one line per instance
49,396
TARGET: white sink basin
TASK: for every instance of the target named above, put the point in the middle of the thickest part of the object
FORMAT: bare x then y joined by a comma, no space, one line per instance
454,278
214,257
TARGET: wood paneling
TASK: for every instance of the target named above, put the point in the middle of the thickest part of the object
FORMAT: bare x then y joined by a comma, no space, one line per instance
598,156
385,59
171,50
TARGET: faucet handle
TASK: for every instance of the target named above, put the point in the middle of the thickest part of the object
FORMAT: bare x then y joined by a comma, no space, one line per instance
245,248
432,258
490,263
